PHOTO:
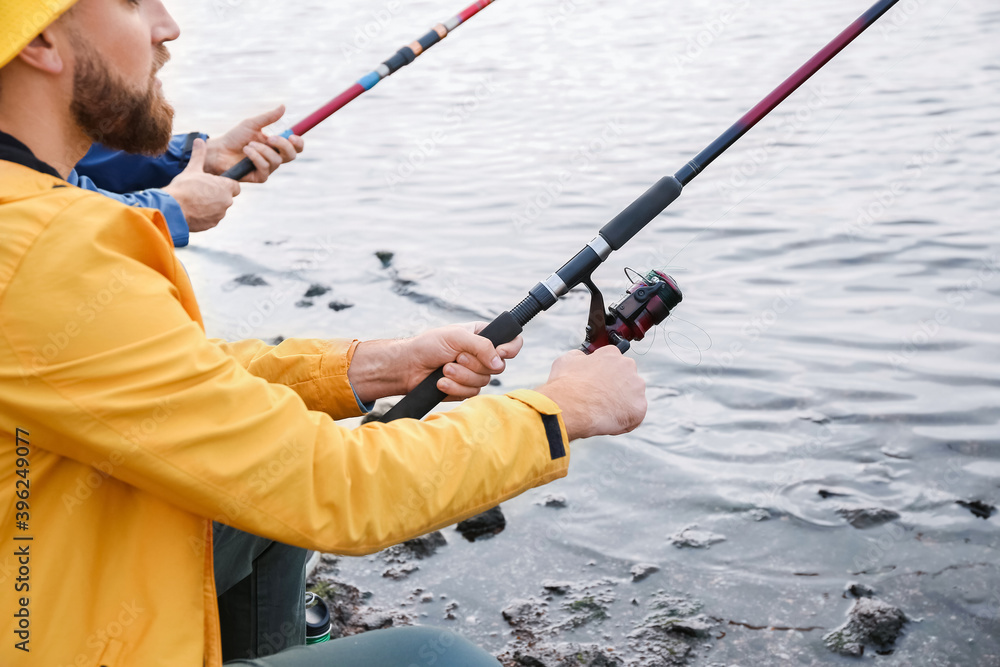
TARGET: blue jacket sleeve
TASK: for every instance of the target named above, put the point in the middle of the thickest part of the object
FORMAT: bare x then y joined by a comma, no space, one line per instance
153,198
118,171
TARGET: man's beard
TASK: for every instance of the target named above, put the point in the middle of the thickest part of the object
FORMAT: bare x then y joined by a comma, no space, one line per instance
111,113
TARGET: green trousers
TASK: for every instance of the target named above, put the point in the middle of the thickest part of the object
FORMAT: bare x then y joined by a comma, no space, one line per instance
261,588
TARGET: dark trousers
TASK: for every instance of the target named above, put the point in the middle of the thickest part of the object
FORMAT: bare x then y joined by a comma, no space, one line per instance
261,589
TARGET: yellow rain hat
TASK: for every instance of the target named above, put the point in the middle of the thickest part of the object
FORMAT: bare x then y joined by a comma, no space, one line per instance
23,20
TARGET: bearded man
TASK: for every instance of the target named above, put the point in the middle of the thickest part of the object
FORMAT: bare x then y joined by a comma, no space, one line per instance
125,431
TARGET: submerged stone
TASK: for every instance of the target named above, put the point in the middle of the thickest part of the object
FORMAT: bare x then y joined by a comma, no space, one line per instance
872,623
418,548
857,590
557,587
316,290
692,538
385,257
557,501
401,572
559,655
525,614
340,305
868,517
250,280
978,508
643,570
485,525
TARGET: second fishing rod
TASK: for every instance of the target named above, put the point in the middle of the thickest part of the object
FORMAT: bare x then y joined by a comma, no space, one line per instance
615,234
398,61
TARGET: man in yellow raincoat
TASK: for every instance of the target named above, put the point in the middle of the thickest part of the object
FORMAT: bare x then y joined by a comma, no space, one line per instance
125,431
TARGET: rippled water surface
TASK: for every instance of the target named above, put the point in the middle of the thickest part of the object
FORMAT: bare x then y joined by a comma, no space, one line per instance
840,266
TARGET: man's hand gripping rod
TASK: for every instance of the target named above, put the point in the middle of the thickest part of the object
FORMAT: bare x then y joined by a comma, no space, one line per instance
627,224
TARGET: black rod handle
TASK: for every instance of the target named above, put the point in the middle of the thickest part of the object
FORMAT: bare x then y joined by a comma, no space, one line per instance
641,212
426,395
240,169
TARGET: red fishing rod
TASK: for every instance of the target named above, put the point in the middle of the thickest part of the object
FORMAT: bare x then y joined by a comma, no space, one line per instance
633,315
399,60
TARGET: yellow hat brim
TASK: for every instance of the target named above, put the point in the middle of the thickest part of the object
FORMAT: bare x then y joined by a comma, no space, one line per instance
23,20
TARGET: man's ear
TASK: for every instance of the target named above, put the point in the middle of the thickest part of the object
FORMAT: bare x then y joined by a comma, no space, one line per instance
47,52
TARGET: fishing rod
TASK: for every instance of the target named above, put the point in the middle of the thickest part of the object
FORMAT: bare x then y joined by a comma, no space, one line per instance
399,60
615,234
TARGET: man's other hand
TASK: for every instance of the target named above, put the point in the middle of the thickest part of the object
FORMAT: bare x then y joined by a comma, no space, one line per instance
600,394
203,197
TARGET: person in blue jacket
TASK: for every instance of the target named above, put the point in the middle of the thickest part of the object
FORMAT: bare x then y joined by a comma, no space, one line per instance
184,183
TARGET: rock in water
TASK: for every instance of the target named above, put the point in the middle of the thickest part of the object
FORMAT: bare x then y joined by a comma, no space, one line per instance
978,508
340,305
872,623
643,570
316,290
557,587
489,523
250,280
692,538
426,545
401,572
868,517
557,501
859,590
385,257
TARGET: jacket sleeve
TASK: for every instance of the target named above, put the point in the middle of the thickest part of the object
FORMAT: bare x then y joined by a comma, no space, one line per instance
134,379
153,198
316,370
118,171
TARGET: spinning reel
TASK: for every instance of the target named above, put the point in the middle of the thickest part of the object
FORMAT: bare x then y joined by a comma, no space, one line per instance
646,303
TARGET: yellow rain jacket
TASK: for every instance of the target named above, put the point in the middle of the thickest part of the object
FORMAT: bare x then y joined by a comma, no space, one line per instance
124,432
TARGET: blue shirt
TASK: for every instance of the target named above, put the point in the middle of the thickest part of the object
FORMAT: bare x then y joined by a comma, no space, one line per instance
111,173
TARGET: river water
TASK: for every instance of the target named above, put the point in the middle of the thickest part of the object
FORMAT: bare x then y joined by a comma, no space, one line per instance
840,267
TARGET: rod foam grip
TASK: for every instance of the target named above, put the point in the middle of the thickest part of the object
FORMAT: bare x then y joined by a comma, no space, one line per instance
641,212
426,395
240,169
